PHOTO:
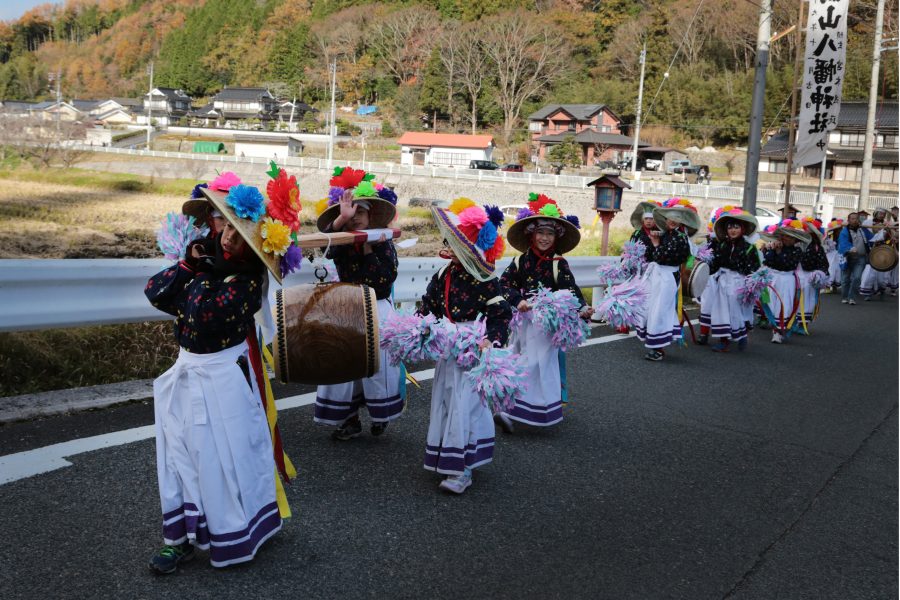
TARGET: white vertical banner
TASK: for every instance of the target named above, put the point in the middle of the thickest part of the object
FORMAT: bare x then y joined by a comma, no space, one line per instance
823,77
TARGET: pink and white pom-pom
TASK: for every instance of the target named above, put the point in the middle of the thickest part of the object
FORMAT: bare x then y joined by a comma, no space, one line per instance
753,285
634,256
705,254
176,232
413,338
612,273
818,280
464,341
625,304
557,314
499,378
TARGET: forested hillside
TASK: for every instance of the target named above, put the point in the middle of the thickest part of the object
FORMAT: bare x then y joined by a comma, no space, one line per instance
487,63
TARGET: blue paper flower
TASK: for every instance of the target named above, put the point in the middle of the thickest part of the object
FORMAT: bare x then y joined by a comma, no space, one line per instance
196,193
573,220
495,215
388,194
487,236
247,202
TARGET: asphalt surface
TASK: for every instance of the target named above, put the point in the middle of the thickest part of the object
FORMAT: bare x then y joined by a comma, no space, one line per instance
765,474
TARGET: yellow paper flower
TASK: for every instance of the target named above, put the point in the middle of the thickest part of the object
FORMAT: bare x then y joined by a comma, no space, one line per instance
276,236
321,205
460,204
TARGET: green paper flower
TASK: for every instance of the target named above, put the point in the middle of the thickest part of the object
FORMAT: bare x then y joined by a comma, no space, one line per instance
550,210
365,189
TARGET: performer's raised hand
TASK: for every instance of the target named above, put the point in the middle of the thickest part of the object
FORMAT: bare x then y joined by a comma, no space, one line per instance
348,210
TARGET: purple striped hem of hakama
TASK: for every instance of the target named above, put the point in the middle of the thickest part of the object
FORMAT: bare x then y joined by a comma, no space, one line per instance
386,409
334,412
453,461
541,416
183,523
241,546
657,340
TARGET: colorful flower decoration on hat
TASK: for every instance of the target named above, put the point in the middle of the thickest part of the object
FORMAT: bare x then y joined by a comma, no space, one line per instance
811,223
224,182
678,203
278,218
481,226
196,194
792,224
347,178
540,204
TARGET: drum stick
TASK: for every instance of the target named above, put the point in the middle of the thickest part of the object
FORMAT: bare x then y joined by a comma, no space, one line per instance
344,238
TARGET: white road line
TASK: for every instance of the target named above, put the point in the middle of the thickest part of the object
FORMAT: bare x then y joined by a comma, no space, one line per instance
49,458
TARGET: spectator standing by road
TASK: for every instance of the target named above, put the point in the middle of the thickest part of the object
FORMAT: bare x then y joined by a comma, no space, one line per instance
853,245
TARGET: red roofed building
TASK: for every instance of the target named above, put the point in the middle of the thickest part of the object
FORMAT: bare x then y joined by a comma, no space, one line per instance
444,149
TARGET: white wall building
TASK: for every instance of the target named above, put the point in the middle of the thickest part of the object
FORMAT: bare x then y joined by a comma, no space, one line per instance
267,147
444,149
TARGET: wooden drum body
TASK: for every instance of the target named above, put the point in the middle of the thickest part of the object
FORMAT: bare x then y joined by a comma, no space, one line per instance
883,257
326,333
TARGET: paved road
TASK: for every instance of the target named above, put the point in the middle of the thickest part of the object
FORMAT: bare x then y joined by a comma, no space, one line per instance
768,474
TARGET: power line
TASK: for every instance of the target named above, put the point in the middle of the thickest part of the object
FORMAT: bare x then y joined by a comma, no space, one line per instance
677,52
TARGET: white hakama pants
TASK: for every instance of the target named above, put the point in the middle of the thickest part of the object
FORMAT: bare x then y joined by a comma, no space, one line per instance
720,308
214,457
661,323
543,406
461,427
379,394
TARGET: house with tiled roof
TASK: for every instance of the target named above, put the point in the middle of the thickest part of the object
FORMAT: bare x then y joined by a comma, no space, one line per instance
165,105
235,103
444,149
846,145
595,127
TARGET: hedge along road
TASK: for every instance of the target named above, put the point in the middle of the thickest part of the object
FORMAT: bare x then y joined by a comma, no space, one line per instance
771,473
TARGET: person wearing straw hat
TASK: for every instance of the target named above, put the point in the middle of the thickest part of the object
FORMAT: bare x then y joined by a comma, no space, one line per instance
721,312
660,324
357,202
542,234
782,253
643,223
814,260
218,465
461,427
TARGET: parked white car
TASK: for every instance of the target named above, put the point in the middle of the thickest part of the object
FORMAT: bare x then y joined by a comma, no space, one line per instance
764,217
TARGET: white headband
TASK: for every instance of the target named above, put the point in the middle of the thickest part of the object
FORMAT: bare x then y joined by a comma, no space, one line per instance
647,215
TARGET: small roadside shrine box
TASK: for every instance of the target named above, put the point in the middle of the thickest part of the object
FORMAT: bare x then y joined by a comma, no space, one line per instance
607,202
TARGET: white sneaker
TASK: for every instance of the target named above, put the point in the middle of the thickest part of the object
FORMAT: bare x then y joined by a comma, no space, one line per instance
457,484
777,338
844,301
851,302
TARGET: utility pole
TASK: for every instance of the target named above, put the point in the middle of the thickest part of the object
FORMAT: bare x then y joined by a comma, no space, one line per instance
637,120
58,103
331,125
863,200
798,34
150,106
751,172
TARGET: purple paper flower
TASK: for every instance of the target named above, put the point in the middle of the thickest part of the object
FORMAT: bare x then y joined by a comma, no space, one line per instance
495,215
291,260
573,220
196,194
523,212
386,193
334,195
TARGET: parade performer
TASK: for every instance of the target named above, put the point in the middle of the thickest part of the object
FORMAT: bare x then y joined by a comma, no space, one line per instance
831,253
644,224
461,426
782,253
356,202
660,325
853,246
812,275
543,235
874,282
218,451
722,313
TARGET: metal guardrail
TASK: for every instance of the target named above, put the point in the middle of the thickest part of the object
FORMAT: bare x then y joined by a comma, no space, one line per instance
46,294
643,187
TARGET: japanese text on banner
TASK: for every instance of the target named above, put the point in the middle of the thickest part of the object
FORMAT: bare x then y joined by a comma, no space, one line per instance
823,78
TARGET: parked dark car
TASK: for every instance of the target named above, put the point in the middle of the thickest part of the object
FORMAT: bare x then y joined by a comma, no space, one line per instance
485,165
512,168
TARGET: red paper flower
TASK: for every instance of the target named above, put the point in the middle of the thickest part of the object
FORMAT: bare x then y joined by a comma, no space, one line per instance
538,204
349,178
284,200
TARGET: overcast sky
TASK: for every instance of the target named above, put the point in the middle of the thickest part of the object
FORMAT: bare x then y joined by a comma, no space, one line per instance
13,9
